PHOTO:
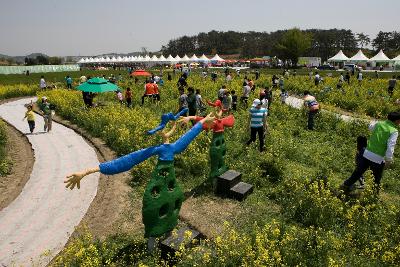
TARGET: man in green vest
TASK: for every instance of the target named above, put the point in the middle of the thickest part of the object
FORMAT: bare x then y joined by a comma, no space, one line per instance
379,151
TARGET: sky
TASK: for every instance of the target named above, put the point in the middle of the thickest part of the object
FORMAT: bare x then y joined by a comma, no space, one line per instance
92,27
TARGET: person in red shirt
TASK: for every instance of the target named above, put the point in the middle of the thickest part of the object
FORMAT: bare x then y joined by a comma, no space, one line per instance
148,90
218,146
128,97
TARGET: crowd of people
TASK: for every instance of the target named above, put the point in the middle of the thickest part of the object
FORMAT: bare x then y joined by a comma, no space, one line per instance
372,154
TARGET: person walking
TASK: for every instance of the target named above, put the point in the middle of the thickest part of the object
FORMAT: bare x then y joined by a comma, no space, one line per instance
200,105
191,102
258,123
246,94
45,110
313,107
128,97
68,80
30,115
378,153
42,83
183,103
392,85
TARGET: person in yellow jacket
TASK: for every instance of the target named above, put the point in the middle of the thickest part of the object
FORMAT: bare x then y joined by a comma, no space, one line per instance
30,115
379,151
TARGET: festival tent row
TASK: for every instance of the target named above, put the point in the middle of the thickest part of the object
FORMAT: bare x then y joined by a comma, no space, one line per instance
147,58
360,57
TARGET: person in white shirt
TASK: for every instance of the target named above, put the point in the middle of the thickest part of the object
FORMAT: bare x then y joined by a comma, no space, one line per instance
82,79
378,152
42,83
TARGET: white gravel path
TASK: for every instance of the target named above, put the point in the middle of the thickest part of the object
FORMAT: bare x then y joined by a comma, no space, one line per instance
298,103
44,215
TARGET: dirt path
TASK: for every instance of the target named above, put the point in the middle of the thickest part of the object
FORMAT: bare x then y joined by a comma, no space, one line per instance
20,152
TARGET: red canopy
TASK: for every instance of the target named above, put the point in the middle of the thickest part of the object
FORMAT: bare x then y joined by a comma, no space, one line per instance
140,73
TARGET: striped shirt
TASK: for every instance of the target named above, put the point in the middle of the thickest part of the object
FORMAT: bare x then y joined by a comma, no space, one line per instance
257,117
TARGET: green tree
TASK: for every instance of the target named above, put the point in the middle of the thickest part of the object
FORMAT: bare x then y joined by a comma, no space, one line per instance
293,44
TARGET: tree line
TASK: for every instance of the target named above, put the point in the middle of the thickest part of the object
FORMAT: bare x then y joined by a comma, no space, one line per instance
317,42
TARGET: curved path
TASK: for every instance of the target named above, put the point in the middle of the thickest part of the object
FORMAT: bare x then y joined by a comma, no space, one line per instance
299,103
42,218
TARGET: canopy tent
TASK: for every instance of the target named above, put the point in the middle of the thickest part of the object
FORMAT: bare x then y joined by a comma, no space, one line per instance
339,57
177,58
113,59
194,58
154,58
396,58
147,58
82,60
217,58
170,58
162,59
119,59
140,73
359,57
185,58
380,57
204,58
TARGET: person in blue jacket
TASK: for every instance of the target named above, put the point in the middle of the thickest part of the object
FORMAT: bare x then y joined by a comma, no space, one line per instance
163,196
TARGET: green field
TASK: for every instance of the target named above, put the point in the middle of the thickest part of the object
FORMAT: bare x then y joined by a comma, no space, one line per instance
294,217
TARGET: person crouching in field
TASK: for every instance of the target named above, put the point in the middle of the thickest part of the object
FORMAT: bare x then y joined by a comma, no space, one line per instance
378,153
30,115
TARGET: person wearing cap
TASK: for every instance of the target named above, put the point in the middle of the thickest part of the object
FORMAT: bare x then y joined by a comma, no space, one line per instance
45,110
313,107
379,151
258,122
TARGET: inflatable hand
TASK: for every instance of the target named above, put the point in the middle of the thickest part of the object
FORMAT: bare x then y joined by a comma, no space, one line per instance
165,118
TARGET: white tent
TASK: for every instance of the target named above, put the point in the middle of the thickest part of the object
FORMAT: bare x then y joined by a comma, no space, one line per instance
204,58
82,60
177,58
185,58
162,59
359,57
380,57
102,59
217,58
339,57
139,59
147,58
90,60
170,58
154,58
396,58
119,59
113,59
194,58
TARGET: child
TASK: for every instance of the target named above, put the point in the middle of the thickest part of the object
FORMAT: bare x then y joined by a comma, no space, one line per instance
234,100
30,115
119,96
362,142
284,95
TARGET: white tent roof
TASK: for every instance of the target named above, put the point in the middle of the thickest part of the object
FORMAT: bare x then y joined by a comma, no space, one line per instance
380,57
82,60
147,58
204,58
194,58
185,58
339,57
177,58
359,57
90,60
170,58
217,58
102,59
162,59
119,59
154,58
396,58
113,59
